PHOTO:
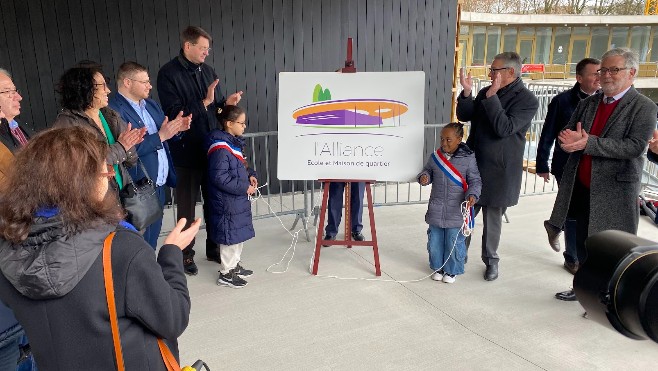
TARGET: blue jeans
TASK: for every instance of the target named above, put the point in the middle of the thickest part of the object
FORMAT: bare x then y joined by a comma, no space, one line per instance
439,246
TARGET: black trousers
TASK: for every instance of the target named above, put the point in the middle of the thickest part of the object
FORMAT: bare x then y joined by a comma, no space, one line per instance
579,211
188,182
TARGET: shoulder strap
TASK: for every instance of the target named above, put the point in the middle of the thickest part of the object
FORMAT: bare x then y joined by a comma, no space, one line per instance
111,305
168,357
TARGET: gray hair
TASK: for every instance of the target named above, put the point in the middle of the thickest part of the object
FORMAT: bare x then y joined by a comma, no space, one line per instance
5,72
631,57
511,60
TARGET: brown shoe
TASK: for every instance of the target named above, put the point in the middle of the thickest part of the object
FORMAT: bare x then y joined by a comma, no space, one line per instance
553,235
571,267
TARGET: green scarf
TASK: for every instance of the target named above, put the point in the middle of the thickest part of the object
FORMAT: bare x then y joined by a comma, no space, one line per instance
111,141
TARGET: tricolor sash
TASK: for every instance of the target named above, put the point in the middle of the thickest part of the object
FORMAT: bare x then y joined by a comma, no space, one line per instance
236,151
453,174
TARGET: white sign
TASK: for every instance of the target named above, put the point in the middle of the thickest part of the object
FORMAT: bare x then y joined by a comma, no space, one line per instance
364,125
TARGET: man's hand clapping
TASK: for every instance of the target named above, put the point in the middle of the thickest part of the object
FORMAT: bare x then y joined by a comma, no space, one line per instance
572,141
175,126
466,82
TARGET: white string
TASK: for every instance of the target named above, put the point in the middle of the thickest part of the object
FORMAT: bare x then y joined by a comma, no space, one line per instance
464,230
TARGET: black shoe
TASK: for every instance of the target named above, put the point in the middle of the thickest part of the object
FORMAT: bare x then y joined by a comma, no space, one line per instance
189,267
328,238
357,236
491,273
231,279
566,295
553,233
571,267
240,271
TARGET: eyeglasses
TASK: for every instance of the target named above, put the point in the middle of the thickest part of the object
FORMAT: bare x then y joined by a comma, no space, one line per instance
10,93
145,82
104,84
243,123
203,48
110,171
613,71
491,70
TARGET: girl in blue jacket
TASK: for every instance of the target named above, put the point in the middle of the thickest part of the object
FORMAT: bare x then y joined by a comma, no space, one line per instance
230,183
453,173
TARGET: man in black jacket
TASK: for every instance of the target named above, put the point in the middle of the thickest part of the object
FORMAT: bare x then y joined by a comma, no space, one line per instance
500,116
187,84
559,112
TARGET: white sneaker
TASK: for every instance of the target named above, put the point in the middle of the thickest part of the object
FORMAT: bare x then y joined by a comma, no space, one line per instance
447,278
436,276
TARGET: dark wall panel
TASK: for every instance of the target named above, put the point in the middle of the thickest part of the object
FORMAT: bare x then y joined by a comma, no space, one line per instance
253,40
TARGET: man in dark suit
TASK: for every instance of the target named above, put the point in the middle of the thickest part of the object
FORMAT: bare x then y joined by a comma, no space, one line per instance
132,103
186,83
500,116
559,112
13,135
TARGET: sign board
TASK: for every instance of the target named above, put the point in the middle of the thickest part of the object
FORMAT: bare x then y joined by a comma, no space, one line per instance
365,125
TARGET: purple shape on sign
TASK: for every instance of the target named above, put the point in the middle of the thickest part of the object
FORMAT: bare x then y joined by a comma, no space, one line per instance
339,117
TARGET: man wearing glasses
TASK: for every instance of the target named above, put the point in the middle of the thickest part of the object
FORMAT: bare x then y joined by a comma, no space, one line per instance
188,84
133,104
559,112
500,116
606,138
13,138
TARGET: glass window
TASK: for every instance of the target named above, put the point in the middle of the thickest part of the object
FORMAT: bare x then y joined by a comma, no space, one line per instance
581,31
619,37
654,45
479,45
561,45
493,42
509,39
640,41
463,29
599,44
526,31
543,45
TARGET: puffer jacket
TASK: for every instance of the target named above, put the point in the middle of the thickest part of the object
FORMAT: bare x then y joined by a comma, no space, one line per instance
444,208
54,284
228,180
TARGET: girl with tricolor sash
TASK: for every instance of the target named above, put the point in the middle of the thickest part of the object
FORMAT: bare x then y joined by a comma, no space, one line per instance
456,185
230,183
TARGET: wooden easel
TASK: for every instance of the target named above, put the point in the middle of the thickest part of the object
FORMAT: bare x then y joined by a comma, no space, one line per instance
348,224
349,68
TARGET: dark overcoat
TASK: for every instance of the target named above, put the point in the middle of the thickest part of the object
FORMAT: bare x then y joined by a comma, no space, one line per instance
617,161
497,136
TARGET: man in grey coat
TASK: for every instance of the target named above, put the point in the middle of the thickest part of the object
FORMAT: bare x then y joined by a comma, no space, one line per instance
606,137
500,116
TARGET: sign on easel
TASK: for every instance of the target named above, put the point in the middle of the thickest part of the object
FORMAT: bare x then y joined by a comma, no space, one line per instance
366,125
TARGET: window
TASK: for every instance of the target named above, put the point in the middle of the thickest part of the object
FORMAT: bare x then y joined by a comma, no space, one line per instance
619,37
654,45
599,44
542,45
561,45
479,45
509,39
640,41
463,30
493,42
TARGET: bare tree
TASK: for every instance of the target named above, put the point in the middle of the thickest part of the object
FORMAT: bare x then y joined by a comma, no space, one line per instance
602,7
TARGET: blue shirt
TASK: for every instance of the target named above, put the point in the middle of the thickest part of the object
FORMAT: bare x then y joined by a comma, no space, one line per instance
152,128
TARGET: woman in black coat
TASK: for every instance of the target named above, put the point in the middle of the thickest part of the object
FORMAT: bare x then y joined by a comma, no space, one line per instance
52,227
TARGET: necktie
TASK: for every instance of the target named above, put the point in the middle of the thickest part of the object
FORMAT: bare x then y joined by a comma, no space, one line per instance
20,137
609,100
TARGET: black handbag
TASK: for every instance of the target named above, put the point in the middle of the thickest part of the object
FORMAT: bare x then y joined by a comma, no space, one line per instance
140,200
